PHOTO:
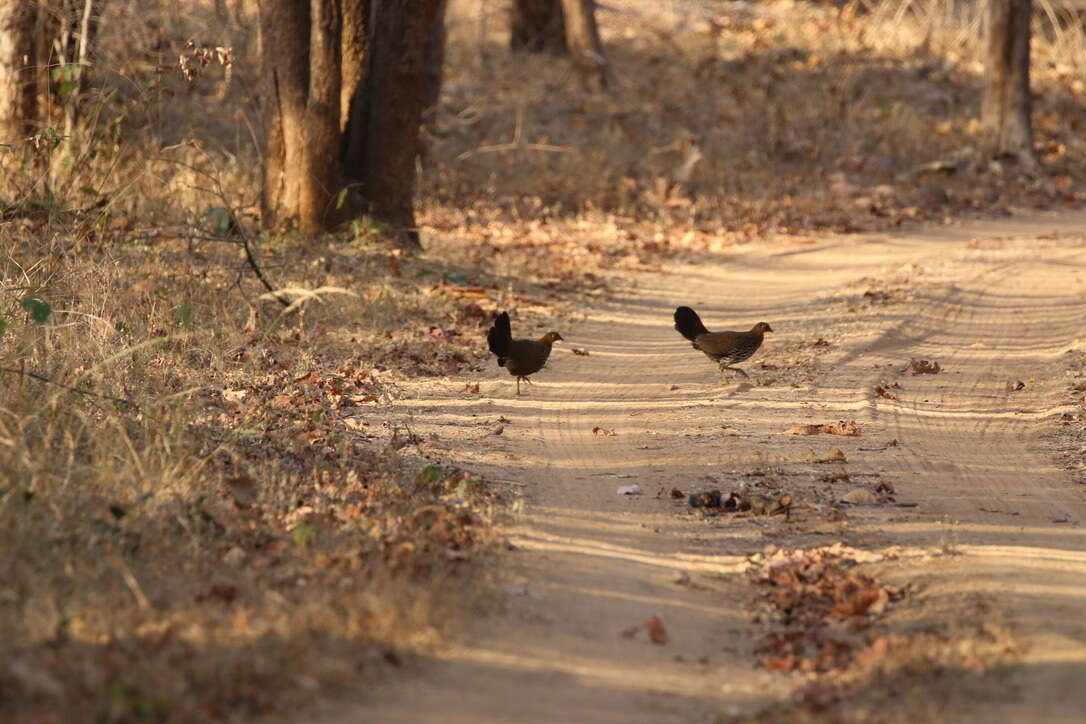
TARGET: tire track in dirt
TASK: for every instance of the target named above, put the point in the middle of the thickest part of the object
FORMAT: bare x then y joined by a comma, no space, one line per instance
592,564
970,448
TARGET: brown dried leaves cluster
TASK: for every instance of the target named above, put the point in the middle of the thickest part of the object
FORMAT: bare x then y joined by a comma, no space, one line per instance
820,608
846,428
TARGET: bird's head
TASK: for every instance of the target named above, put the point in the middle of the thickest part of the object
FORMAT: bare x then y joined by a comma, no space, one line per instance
551,338
761,328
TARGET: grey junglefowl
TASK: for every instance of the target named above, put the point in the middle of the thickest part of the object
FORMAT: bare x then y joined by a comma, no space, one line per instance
522,357
725,348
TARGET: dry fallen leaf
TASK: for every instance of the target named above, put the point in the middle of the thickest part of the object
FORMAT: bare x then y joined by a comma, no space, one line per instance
859,496
472,388
243,490
656,630
234,396
1015,385
884,392
602,431
836,455
579,352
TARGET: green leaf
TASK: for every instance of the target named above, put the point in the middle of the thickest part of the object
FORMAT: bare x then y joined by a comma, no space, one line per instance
184,315
3,326
304,535
88,191
431,475
38,308
341,197
456,278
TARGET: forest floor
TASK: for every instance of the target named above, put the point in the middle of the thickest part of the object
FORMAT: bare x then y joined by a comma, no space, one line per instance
980,582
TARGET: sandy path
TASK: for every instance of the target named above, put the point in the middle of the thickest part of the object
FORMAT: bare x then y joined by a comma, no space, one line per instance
591,564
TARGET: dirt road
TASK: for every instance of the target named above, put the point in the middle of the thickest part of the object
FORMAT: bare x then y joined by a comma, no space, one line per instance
997,532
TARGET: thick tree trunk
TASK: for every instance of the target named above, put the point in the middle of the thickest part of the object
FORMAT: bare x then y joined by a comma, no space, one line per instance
387,109
346,84
18,71
538,27
583,40
302,62
1006,108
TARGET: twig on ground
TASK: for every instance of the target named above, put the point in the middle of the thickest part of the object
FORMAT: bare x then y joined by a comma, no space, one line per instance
77,390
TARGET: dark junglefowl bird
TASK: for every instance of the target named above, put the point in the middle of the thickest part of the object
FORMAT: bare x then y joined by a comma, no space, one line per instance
522,357
725,348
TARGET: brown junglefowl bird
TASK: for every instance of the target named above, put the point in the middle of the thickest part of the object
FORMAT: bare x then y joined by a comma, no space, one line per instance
522,357
725,348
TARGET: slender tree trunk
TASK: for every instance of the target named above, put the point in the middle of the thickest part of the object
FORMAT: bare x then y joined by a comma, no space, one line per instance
1006,107
18,71
538,27
321,135
387,109
284,35
583,40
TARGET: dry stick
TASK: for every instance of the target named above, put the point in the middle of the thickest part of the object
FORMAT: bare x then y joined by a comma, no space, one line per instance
79,390
256,269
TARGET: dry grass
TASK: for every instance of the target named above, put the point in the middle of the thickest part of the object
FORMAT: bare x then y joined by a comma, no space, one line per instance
246,533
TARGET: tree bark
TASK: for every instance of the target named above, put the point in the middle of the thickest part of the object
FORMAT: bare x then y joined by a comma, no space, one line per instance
538,27
387,110
1006,107
346,84
284,35
583,40
19,108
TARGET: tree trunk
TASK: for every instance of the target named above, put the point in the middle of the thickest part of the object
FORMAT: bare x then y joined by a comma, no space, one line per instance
346,83
583,40
18,71
538,27
302,63
383,130
1006,107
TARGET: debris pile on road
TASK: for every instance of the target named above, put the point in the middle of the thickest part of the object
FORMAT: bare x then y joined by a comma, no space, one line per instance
820,608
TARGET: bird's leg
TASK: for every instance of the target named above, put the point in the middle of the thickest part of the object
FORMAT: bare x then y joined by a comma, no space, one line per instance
518,385
724,367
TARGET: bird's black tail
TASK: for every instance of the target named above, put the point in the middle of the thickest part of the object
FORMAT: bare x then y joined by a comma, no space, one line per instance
500,337
688,323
